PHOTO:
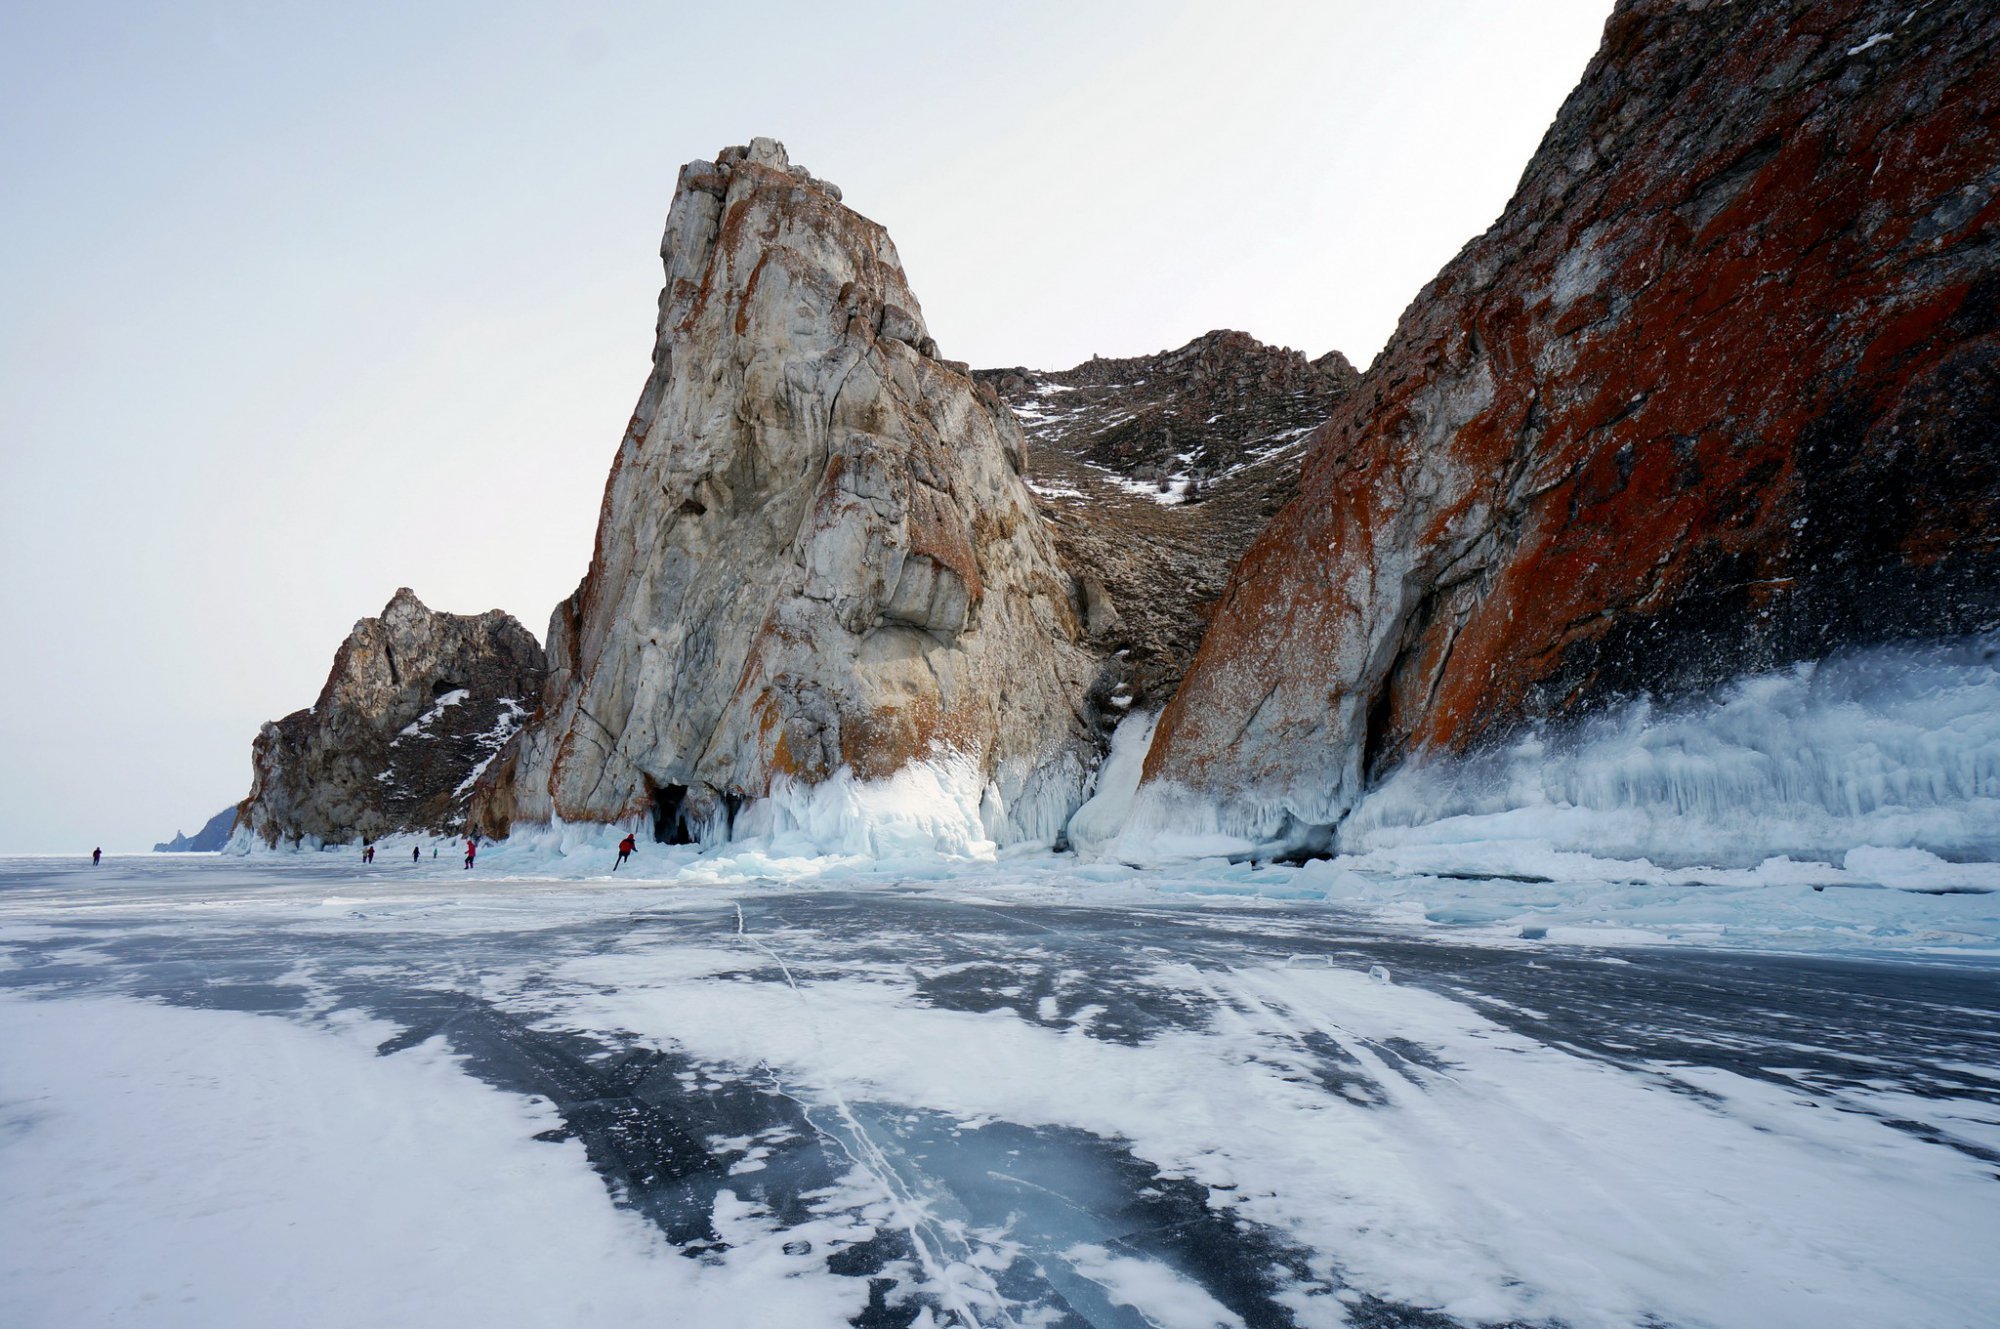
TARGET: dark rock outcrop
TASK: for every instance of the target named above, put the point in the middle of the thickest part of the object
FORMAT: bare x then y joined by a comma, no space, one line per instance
1155,473
1184,420
416,705
816,554
1721,388
212,836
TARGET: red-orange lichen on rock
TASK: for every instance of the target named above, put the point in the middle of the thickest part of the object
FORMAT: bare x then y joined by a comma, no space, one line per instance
1642,433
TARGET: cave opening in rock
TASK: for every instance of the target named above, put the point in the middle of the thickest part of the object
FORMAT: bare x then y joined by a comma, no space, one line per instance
670,820
1375,738
444,685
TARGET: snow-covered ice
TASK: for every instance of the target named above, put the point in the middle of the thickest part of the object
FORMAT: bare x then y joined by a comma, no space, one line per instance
1023,1091
1689,1016
170,1166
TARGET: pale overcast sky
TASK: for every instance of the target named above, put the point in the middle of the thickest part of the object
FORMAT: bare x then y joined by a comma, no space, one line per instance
300,303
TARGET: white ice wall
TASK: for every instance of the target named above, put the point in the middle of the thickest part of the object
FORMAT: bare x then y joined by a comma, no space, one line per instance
1894,747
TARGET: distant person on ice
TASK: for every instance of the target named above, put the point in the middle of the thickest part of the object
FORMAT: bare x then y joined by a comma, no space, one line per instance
471,849
416,853
625,848
96,857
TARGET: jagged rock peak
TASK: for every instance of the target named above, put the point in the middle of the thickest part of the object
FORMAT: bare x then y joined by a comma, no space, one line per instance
815,552
1339,369
1718,390
768,152
417,702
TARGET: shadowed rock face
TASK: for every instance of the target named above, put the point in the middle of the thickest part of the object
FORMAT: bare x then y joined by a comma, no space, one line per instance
815,550
1720,388
1155,472
1184,420
416,705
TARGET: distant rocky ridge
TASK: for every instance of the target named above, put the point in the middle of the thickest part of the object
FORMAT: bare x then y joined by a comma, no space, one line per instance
212,836
1184,420
416,705
1720,389
816,555
1155,473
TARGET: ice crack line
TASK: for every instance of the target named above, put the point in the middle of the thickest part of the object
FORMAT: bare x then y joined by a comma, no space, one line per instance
871,1158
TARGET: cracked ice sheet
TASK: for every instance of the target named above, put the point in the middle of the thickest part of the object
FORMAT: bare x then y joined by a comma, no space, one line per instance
168,1167
1515,1182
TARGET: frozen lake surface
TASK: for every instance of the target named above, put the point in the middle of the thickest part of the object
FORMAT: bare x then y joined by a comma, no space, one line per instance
243,1093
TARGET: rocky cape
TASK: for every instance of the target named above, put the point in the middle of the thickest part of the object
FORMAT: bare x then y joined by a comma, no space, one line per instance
1717,391
1720,389
816,558
416,705
213,836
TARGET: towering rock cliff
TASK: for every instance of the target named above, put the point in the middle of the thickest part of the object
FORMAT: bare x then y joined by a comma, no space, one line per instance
816,557
417,704
1720,388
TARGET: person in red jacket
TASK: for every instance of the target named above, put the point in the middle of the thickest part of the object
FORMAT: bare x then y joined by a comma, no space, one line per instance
471,849
625,848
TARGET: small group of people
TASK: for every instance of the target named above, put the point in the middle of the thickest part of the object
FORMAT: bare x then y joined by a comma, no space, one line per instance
626,848
368,853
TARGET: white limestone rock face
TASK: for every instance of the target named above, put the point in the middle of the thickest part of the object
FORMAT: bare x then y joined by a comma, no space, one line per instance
815,553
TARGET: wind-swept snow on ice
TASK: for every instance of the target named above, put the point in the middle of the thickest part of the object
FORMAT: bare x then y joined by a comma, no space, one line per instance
1030,1094
165,1166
